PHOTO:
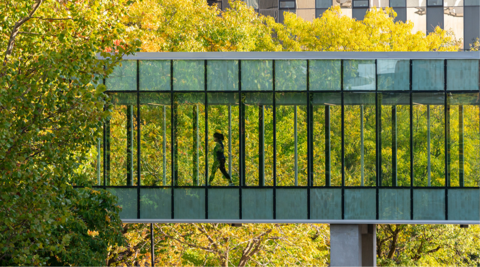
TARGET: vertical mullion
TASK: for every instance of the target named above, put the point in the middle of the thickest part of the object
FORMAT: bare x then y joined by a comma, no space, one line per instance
172,140
411,142
99,157
105,147
394,146
461,149
206,138
378,142
196,141
446,116
274,144
261,146
362,147
343,140
309,141
152,246
138,141
164,145
230,140
429,168
241,143
296,144
129,145
328,147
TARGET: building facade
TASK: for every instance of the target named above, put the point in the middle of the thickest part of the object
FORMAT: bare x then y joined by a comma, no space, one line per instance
460,16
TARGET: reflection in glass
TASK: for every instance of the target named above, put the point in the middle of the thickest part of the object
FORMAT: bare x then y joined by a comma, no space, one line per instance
258,139
344,4
325,75
121,140
290,75
222,75
323,3
223,117
291,139
189,131
379,3
188,75
393,74
154,75
360,134
257,75
416,3
428,75
453,21
464,139
359,75
428,139
397,3
155,135
462,74
417,15
123,77
395,130
327,139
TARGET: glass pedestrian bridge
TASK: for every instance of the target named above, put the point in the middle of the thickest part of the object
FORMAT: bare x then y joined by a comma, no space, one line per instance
325,137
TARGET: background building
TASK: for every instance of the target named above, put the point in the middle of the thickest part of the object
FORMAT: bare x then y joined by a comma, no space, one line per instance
460,16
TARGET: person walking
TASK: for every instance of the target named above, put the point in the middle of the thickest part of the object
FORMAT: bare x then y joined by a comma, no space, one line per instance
219,162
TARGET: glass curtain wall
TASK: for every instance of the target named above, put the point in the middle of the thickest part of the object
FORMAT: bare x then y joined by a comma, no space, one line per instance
315,124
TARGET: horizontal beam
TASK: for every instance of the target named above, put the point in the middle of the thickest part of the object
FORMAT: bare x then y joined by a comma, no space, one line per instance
302,221
298,55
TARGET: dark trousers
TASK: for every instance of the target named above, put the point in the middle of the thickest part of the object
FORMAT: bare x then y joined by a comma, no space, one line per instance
219,164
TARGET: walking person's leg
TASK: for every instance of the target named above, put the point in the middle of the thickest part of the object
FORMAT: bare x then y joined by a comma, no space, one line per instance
215,166
224,171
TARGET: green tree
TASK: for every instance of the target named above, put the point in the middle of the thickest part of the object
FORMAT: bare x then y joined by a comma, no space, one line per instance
50,111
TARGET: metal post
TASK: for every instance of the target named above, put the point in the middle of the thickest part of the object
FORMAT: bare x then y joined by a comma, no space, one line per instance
261,150
296,145
197,156
195,150
230,140
394,146
362,147
461,149
106,152
328,154
152,246
164,146
428,147
129,145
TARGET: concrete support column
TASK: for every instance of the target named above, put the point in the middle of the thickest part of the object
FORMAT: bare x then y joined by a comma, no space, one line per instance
353,245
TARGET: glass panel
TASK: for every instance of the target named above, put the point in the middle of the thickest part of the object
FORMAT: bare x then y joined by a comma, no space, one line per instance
327,133
127,200
360,134
291,75
434,2
416,3
463,204
188,75
222,75
291,204
359,3
291,123
258,139
359,75
397,3
156,143
428,139
393,74
464,139
257,204
360,204
417,15
155,203
347,4
453,21
325,75
223,160
252,3
123,77
121,140
189,147
394,204
325,204
462,74
453,3
323,3
257,75
223,203
189,203
429,204
287,4
472,2
428,75
379,3
395,129
155,75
